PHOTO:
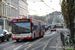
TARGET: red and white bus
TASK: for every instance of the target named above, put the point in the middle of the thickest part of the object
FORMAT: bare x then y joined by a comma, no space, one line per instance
27,28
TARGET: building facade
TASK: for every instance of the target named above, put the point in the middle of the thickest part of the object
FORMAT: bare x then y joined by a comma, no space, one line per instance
10,9
53,17
23,9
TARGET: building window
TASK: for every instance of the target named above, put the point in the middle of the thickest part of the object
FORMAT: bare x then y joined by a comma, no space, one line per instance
8,1
1,23
12,12
8,11
4,9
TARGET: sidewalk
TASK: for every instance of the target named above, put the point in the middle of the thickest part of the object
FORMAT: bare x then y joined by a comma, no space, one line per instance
59,45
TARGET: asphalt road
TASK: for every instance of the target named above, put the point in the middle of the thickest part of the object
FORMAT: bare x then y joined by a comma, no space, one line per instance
43,43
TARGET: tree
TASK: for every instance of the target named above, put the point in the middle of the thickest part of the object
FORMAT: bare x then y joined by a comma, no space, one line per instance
68,11
58,20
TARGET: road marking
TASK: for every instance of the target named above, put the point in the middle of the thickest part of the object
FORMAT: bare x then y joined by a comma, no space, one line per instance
20,46
13,45
5,48
38,46
6,43
24,46
41,45
33,43
47,32
46,44
50,34
28,46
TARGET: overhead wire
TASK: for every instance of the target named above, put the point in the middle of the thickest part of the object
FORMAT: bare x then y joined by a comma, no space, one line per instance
47,5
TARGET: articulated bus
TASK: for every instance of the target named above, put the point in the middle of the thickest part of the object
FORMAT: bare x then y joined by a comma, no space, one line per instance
27,28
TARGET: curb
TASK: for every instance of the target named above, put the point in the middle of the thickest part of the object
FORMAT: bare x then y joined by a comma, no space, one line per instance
59,45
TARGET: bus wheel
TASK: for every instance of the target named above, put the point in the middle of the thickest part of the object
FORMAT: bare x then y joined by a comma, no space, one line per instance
2,39
43,34
33,38
34,35
39,35
17,40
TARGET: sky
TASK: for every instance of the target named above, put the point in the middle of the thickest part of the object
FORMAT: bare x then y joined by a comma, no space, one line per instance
37,7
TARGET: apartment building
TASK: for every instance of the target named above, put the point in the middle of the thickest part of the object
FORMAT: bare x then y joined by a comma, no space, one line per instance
51,18
23,9
8,10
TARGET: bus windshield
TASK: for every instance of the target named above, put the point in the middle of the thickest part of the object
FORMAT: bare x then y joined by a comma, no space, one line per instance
21,27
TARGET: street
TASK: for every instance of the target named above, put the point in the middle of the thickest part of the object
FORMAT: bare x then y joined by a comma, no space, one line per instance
48,42
37,25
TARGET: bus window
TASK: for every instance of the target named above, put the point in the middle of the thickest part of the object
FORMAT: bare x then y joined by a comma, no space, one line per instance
34,27
43,27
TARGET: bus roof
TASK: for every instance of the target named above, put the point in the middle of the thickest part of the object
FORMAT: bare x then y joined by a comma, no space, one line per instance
21,18
31,20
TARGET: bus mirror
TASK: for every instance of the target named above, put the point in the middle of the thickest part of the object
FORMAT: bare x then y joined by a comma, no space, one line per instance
32,24
9,23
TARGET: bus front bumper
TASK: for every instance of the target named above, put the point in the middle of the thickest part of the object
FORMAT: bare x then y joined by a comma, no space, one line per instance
15,38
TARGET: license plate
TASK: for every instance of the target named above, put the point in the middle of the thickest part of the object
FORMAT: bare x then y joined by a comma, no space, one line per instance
21,38
16,38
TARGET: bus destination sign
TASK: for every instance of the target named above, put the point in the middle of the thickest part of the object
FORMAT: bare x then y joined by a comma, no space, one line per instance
21,20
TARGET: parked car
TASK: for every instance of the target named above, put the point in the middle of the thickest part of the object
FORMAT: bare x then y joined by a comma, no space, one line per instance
4,35
9,33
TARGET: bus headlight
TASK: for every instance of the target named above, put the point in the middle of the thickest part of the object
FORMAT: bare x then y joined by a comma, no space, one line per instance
29,36
13,36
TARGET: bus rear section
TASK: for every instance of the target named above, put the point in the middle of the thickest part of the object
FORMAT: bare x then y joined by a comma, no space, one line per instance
38,28
21,29
42,29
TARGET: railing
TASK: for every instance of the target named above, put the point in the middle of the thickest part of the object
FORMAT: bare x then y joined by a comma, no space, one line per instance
62,38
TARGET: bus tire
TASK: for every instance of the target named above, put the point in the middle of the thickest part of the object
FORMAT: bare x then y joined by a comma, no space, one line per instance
34,35
33,38
39,35
43,34
17,40
2,39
